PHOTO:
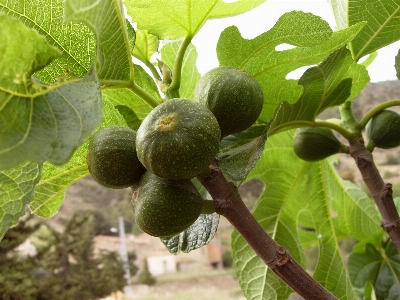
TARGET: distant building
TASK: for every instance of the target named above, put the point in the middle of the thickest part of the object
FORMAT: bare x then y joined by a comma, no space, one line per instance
160,260
25,249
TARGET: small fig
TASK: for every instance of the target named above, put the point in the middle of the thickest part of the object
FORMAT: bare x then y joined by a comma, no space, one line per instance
313,144
112,160
165,207
383,130
178,139
234,97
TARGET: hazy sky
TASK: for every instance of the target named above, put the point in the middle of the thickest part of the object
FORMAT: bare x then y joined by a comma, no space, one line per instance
261,19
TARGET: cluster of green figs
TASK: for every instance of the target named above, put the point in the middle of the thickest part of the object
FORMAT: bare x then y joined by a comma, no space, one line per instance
175,143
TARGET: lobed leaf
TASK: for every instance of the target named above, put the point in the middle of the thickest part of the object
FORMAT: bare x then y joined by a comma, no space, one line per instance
313,40
190,74
335,80
40,123
200,233
50,191
381,28
303,204
17,186
174,19
106,19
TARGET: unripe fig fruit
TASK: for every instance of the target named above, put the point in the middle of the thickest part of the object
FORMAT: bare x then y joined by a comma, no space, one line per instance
383,130
234,97
165,207
313,144
112,160
178,139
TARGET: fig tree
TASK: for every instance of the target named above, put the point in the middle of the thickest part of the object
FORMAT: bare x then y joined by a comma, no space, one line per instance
165,207
234,97
383,130
178,139
313,144
112,160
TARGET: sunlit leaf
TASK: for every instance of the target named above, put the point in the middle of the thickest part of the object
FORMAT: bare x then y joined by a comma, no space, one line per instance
146,45
40,123
76,41
382,23
178,18
259,58
106,19
337,79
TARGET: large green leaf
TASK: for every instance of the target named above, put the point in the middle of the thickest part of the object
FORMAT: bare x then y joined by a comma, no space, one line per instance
40,123
301,195
50,192
178,18
310,34
382,23
106,19
380,267
190,75
17,187
337,79
76,41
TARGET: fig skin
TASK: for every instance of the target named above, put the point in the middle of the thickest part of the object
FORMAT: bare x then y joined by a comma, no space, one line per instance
178,139
314,144
165,207
112,158
233,96
383,130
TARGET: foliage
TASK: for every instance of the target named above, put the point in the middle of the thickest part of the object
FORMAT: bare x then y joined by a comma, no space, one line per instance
75,75
67,268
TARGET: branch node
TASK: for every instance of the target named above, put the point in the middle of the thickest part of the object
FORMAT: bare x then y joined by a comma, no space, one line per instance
389,226
362,162
281,258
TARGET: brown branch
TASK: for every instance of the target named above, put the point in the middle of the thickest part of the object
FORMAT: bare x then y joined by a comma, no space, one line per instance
381,192
229,204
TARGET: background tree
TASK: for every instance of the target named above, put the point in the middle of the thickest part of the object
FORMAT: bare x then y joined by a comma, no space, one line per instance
67,268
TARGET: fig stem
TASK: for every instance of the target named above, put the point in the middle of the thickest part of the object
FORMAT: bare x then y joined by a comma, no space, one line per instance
345,133
177,71
377,109
146,97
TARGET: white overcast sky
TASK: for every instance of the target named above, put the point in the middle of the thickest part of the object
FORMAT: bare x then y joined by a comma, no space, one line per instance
261,19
